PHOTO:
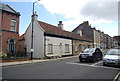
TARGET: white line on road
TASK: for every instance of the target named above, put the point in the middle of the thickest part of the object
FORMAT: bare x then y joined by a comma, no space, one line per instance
117,77
79,64
96,63
92,65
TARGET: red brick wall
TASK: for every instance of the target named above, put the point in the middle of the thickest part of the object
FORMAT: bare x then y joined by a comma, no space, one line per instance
6,24
6,21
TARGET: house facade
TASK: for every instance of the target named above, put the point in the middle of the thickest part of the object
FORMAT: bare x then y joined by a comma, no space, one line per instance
85,30
80,45
103,43
9,29
116,41
99,39
108,41
96,37
53,41
48,40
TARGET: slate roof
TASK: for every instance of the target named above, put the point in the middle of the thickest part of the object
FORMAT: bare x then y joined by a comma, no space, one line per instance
54,30
7,8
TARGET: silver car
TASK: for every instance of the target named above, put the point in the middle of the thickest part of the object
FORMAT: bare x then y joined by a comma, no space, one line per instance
112,57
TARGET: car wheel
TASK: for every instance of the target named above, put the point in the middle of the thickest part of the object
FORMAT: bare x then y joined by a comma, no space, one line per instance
80,60
104,64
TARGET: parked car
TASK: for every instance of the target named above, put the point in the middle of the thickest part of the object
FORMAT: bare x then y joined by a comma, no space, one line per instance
91,54
112,57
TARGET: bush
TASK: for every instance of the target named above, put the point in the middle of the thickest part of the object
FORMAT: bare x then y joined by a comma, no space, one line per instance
3,55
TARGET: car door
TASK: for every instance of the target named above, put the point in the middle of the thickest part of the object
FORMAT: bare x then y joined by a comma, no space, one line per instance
97,53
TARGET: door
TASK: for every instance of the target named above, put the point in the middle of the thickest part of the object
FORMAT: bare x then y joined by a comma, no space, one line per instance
11,46
60,49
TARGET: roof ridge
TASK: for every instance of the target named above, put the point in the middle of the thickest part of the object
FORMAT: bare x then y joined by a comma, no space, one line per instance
54,26
51,29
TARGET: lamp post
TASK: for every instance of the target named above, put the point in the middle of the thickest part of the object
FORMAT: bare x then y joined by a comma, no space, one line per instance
32,30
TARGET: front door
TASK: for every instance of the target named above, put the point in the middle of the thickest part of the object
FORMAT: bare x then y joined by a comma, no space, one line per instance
11,46
60,48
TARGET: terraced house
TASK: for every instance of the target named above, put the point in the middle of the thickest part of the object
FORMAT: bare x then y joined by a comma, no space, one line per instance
50,40
99,39
9,29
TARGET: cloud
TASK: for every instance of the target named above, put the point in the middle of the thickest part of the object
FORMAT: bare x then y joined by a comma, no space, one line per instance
68,8
101,10
94,11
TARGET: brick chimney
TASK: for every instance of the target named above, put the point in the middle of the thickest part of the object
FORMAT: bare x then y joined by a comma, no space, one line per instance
60,25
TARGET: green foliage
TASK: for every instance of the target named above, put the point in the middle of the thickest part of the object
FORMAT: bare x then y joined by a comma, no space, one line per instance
3,55
10,55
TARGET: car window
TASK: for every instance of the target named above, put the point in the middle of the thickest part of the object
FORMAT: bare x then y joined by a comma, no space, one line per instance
90,50
113,52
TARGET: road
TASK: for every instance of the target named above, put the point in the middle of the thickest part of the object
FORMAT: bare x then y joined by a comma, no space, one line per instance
61,69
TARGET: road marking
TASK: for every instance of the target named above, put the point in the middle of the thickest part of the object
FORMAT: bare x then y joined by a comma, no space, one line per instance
92,66
96,63
79,64
117,77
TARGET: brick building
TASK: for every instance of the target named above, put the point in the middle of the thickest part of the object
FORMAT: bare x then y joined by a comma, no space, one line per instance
85,30
9,29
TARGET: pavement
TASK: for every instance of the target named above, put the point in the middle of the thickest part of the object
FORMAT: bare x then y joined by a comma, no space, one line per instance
32,61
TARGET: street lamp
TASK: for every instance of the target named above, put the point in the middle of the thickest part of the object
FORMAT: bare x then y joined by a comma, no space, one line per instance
32,31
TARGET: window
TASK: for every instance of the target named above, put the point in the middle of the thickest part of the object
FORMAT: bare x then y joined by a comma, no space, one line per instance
13,25
66,48
50,48
80,32
76,48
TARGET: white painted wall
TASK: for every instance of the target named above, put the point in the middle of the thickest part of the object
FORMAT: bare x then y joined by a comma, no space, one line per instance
56,46
27,37
38,41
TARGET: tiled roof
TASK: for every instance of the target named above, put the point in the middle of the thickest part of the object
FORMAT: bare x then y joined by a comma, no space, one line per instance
21,37
57,31
7,8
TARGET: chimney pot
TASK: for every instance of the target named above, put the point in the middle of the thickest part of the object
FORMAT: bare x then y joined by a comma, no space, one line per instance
60,25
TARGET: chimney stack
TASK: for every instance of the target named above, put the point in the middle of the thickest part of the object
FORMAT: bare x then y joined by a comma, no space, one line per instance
35,16
60,25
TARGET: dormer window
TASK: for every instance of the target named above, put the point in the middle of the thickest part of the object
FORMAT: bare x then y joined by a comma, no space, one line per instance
13,25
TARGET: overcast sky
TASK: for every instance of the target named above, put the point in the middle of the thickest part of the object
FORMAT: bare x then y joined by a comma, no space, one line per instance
102,14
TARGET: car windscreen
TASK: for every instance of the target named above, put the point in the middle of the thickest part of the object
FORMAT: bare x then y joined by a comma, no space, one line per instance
113,52
90,50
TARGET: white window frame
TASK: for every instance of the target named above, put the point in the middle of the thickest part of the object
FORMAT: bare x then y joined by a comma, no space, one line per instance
50,48
67,49
13,25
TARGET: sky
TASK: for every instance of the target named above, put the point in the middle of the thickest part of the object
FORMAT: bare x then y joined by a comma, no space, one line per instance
101,14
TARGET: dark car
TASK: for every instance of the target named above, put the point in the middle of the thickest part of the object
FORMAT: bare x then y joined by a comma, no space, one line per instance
91,54
112,57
